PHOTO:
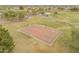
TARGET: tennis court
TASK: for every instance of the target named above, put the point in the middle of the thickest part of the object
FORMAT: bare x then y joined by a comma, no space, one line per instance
42,33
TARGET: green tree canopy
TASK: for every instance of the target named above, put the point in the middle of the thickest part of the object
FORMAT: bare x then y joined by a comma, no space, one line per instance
74,9
6,41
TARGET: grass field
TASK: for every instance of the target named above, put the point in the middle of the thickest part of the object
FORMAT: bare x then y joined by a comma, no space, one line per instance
28,44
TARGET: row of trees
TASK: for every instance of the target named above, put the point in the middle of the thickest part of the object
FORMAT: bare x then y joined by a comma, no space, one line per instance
22,12
14,14
74,9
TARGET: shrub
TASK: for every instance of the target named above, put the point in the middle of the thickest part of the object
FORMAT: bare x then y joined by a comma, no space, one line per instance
55,13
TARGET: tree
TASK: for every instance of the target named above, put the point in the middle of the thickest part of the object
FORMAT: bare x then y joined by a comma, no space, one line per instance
55,13
20,14
21,7
61,8
74,9
41,10
9,14
13,15
6,41
34,11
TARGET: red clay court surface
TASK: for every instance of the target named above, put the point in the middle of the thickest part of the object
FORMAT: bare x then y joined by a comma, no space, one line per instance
41,32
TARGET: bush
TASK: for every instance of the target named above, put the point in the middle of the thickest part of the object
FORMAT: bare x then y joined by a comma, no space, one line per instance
55,13
6,41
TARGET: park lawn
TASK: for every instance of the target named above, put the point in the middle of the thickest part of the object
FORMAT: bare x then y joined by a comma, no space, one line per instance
28,44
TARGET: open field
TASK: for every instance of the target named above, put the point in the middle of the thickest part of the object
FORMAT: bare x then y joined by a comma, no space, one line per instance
25,43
